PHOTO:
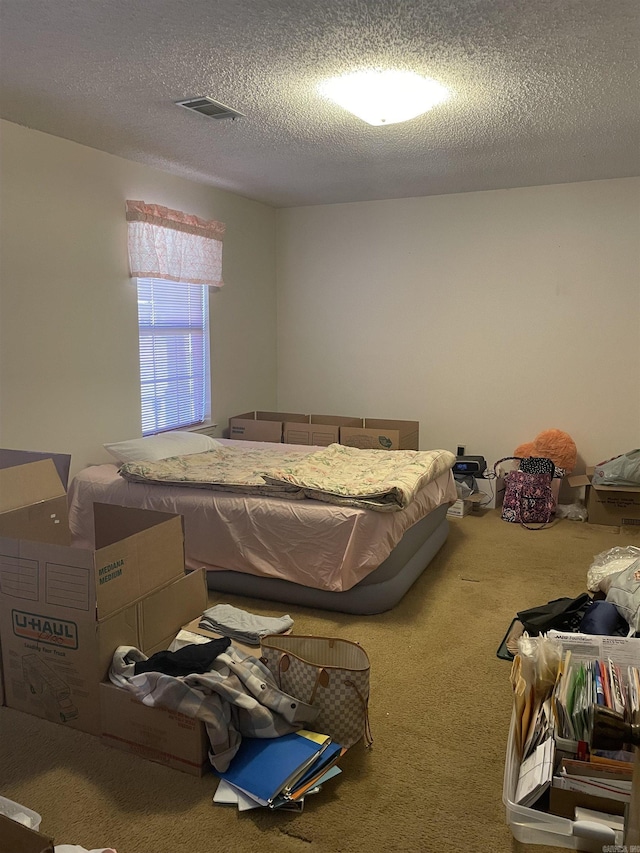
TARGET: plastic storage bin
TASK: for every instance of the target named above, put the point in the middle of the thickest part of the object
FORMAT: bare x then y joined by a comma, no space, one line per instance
530,826
19,813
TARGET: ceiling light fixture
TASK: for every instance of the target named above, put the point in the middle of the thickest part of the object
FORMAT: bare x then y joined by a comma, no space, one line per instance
384,97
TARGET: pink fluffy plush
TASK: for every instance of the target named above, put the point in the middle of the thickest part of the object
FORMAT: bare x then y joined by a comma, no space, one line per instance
552,444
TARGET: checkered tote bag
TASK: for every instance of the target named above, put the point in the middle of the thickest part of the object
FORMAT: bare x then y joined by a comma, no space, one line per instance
328,673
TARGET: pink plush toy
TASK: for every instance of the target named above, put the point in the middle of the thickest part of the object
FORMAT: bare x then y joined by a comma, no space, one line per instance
551,444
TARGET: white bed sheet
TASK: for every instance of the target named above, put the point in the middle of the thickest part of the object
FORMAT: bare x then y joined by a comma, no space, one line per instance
310,543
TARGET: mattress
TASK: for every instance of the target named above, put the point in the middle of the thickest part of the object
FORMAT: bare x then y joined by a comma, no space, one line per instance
307,543
377,592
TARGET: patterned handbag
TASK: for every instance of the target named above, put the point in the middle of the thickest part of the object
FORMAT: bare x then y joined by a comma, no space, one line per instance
328,673
528,498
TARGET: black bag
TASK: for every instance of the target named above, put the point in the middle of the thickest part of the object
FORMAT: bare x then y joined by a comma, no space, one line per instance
563,614
537,465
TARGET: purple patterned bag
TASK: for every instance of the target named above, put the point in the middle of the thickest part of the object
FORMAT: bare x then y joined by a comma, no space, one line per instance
528,498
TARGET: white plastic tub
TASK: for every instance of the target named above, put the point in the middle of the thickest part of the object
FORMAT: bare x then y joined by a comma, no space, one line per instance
19,813
530,826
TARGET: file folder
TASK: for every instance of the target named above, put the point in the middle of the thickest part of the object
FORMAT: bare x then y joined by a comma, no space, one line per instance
266,767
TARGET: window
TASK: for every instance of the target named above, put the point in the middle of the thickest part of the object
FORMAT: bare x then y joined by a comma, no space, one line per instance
173,324
176,260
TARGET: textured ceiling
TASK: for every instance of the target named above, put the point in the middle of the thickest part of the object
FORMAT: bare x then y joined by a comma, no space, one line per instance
545,91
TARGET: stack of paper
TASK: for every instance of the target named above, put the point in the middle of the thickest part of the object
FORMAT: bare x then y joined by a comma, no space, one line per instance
536,773
583,683
279,772
599,781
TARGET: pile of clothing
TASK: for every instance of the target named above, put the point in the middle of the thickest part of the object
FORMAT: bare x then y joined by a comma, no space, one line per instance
216,681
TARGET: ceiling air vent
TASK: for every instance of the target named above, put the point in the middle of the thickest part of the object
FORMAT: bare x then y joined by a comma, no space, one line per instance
208,107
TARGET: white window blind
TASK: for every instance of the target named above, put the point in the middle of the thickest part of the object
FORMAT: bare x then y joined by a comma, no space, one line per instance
174,352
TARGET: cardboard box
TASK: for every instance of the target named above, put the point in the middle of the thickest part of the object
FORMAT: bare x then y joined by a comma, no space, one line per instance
60,683
262,426
282,417
409,431
563,803
62,461
380,434
335,420
370,439
64,610
16,838
460,508
610,505
33,502
321,430
162,614
157,734
310,434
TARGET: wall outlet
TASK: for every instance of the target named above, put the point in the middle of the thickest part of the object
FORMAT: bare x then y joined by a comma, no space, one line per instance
460,450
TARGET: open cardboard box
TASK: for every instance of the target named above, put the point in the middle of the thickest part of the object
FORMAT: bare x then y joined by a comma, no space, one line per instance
611,505
156,734
263,426
159,734
322,430
382,434
16,838
64,610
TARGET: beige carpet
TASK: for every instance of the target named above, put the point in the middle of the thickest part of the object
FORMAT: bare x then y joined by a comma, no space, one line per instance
440,708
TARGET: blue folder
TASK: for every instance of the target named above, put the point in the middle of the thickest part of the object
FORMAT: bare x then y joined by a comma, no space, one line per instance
266,767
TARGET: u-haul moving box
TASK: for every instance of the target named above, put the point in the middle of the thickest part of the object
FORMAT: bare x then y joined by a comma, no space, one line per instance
64,610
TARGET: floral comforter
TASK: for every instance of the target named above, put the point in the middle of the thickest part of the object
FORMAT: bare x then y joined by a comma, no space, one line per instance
384,480
229,469
381,480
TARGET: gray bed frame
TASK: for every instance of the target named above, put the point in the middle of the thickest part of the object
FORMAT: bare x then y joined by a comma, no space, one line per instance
379,591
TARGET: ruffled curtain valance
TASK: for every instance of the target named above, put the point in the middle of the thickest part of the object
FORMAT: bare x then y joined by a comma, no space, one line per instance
175,246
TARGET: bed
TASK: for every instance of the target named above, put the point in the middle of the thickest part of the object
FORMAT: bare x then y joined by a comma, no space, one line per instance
293,549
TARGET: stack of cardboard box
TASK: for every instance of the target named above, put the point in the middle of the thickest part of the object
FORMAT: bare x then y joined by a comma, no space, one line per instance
64,611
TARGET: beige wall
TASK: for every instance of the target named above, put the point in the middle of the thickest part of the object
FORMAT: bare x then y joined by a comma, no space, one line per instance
487,316
68,312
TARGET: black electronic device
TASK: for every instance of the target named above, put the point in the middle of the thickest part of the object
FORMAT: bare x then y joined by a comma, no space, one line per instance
474,465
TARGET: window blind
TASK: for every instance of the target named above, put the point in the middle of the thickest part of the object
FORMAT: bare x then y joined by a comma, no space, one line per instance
173,330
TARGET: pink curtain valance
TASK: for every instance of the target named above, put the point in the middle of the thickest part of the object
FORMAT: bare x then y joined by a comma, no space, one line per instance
175,246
